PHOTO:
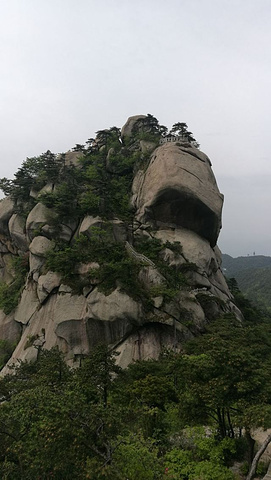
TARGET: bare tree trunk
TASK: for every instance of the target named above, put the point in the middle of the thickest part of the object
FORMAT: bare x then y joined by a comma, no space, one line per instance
251,444
230,424
257,457
221,424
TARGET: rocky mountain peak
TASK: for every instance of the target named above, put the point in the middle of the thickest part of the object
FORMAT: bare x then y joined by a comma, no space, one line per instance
114,242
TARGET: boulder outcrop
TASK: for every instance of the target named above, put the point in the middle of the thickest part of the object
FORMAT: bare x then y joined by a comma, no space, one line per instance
175,207
179,190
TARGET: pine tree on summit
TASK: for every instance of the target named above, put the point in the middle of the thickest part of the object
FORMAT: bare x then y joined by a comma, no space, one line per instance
181,129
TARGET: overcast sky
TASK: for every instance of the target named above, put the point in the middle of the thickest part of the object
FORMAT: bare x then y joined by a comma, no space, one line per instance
72,67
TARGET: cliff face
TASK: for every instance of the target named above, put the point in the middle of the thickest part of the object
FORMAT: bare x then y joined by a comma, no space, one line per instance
168,283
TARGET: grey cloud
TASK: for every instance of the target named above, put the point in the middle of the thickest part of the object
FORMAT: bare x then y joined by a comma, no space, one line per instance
69,71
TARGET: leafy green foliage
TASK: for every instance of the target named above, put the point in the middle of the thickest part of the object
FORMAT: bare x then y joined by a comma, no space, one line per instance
101,186
148,129
64,198
10,293
180,128
6,349
107,182
261,470
39,430
34,173
116,267
253,274
99,366
150,247
251,312
228,376
174,278
137,458
107,170
205,459
255,284
100,422
252,262
47,428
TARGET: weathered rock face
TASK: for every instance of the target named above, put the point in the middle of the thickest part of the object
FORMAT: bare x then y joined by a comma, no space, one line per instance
127,129
6,211
179,189
175,200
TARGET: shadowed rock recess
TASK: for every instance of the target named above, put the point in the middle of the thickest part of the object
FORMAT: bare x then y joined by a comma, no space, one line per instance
113,242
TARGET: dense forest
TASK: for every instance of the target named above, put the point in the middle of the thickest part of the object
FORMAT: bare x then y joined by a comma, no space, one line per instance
253,274
188,415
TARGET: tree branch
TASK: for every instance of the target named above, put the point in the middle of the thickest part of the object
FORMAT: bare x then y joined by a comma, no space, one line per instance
257,457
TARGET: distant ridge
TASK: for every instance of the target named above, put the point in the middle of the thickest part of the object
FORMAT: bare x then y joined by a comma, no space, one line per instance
253,274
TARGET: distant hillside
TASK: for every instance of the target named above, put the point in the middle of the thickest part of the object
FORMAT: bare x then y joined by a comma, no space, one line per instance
253,275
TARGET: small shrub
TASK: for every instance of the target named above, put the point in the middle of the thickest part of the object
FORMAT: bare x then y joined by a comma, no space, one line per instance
262,468
30,340
10,293
6,350
176,247
150,247
188,267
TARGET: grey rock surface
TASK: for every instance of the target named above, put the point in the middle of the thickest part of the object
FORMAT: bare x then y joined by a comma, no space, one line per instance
46,284
16,226
40,245
179,190
39,216
6,268
88,223
72,158
115,306
126,130
9,329
28,304
6,211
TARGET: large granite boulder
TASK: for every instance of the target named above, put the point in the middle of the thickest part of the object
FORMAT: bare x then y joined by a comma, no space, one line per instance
39,217
179,189
127,129
88,223
6,211
6,267
9,329
115,306
40,245
38,248
16,226
72,158
46,284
